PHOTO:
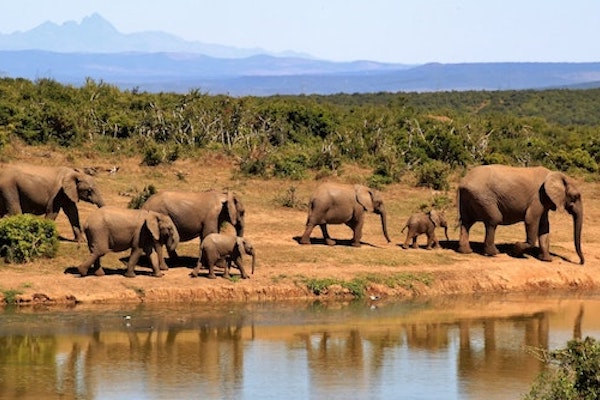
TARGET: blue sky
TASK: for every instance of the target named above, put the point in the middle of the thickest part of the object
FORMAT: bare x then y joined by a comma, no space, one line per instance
404,31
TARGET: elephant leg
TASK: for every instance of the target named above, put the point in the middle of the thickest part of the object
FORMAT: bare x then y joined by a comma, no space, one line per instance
154,261
85,265
490,248
464,246
306,235
226,274
328,240
240,265
211,271
162,264
356,227
544,238
414,241
98,270
133,259
406,243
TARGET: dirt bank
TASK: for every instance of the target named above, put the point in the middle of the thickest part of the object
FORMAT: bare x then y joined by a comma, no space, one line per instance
285,269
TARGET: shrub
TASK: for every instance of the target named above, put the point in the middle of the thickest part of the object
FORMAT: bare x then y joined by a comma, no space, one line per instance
25,237
434,174
575,373
137,201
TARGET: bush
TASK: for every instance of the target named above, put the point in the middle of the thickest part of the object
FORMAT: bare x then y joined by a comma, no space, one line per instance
26,237
434,174
575,373
138,201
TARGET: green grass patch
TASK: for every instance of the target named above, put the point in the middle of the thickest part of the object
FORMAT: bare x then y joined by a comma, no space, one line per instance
358,286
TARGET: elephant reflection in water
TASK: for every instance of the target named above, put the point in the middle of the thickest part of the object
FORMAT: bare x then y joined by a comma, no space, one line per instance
427,336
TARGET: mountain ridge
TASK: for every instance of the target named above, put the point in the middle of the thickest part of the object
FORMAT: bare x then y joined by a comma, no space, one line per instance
157,61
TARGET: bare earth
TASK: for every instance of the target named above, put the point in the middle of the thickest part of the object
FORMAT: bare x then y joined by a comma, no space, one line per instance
284,266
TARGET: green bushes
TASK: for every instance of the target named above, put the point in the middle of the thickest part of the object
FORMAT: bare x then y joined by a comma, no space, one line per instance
26,237
574,373
294,137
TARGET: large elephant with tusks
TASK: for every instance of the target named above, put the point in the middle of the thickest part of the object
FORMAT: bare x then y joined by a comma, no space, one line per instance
503,195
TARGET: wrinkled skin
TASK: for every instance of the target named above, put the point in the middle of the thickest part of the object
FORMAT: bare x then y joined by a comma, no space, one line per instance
424,223
45,191
197,214
217,248
118,229
502,195
333,203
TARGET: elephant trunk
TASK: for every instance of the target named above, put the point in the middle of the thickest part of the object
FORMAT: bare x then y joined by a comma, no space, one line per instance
446,233
172,240
384,225
577,226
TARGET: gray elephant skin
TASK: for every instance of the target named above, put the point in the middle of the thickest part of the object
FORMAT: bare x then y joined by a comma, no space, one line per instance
217,248
45,191
424,223
334,203
118,229
198,214
503,195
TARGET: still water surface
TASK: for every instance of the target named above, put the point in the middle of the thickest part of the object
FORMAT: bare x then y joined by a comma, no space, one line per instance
476,348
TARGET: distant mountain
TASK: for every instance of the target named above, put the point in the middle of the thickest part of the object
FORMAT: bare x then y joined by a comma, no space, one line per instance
157,61
97,35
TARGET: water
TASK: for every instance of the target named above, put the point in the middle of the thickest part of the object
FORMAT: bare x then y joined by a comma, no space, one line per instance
475,348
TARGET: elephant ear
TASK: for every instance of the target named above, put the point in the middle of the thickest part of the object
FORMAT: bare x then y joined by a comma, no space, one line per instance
69,183
555,187
152,225
231,209
364,197
434,216
240,244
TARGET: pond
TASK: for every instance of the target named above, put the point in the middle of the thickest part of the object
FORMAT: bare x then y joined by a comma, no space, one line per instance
458,348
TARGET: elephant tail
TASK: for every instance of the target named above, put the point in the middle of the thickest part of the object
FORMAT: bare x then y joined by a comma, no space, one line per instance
405,226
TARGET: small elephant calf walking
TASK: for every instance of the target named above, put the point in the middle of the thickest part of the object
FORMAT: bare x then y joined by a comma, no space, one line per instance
118,229
426,223
218,247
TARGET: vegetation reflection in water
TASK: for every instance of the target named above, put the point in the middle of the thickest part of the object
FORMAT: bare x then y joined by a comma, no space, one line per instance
475,348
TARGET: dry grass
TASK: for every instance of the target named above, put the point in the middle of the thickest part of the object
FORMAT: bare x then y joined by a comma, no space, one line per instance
273,229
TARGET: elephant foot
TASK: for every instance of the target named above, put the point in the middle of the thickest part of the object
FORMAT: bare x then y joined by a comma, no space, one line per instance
82,271
245,276
129,275
356,244
158,275
520,248
99,272
491,251
212,276
194,273
405,246
164,267
304,241
331,242
465,249
545,257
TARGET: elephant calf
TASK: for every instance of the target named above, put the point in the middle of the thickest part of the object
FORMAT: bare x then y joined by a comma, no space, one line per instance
218,247
424,223
119,229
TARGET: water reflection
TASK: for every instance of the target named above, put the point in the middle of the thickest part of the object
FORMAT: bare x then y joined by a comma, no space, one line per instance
475,348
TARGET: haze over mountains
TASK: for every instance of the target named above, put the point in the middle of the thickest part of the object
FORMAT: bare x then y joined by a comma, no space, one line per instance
158,61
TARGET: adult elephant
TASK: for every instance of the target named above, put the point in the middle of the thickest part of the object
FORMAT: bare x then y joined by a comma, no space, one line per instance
503,195
45,191
197,214
334,203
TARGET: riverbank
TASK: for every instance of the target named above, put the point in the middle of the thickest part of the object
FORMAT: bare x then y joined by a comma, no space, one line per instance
287,270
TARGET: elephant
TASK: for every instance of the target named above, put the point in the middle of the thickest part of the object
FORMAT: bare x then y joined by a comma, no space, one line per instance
119,229
218,247
197,214
334,203
422,222
504,195
45,191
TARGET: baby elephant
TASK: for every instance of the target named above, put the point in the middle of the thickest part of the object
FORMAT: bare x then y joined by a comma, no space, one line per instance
118,229
217,247
420,223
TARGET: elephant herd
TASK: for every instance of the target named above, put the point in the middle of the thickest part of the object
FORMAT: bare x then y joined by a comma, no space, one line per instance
491,194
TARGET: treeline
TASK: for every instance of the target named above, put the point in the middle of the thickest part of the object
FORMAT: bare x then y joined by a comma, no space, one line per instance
425,134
